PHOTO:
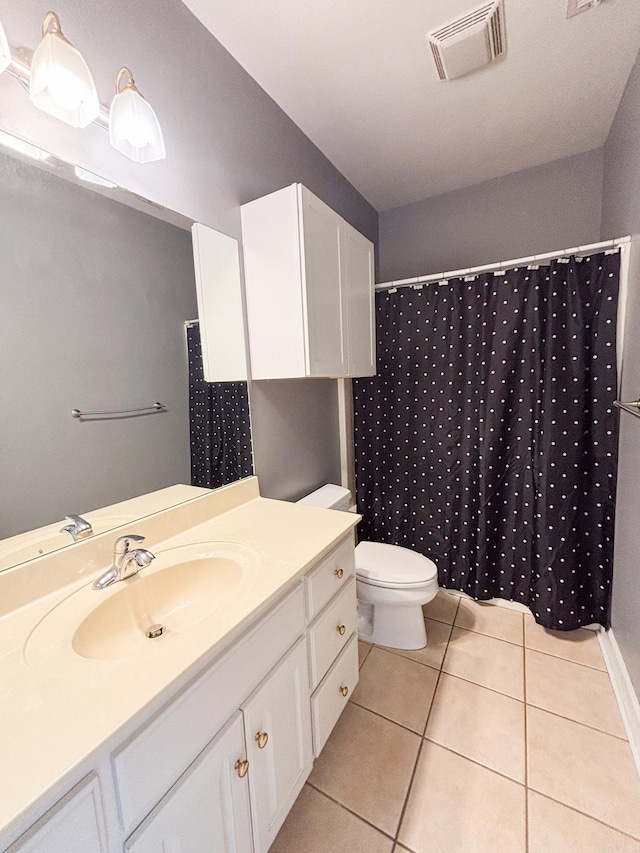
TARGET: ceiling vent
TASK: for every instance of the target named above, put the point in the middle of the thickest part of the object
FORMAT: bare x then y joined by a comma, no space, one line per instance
574,7
470,42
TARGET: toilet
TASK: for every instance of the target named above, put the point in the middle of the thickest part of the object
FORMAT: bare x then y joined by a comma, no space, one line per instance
392,583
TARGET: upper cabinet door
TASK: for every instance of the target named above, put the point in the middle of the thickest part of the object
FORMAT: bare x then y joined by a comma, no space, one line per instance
219,292
358,287
326,326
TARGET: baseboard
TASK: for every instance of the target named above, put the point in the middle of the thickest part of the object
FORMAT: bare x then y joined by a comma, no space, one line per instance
623,688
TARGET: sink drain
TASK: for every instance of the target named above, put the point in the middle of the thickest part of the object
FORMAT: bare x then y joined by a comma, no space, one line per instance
155,631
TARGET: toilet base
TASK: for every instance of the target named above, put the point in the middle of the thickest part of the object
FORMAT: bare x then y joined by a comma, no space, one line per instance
388,625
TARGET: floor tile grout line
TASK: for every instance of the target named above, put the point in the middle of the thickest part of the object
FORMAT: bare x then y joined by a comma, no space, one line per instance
484,686
567,660
388,719
351,811
476,762
489,636
579,722
415,766
584,814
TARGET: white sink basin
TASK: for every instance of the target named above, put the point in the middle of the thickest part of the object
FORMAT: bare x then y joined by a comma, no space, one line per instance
181,588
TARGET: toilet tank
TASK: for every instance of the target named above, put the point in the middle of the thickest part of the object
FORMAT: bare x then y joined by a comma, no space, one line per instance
329,497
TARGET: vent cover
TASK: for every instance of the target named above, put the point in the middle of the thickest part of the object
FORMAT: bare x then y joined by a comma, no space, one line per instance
468,43
574,7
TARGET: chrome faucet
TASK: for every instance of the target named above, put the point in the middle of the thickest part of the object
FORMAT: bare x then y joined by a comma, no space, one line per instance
78,529
127,561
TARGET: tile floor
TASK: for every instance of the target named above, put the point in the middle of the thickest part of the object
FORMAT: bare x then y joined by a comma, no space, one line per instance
498,737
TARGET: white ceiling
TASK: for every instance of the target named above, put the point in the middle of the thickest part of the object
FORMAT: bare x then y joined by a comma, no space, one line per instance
357,77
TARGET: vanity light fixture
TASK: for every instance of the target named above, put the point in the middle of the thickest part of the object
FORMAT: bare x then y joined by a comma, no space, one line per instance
61,83
5,53
134,129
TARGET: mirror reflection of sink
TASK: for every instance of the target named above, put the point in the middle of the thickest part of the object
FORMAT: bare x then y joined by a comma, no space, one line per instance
44,540
184,586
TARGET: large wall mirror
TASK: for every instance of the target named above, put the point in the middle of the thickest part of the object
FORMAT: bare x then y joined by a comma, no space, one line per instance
97,287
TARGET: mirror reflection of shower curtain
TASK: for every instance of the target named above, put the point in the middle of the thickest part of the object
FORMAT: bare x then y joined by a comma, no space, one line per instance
488,440
219,423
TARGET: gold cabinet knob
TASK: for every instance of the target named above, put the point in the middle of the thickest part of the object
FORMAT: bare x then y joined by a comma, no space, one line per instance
262,738
339,574
344,690
341,629
241,765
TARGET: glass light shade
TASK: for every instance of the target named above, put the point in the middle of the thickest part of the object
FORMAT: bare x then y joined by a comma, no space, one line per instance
61,83
5,53
134,128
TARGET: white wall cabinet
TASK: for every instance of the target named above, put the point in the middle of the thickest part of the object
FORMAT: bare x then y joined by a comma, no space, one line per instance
309,279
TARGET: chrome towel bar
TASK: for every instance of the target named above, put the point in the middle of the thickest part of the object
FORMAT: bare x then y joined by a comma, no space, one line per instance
156,407
632,406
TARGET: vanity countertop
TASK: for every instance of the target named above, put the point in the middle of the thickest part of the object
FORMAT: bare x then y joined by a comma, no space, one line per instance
57,711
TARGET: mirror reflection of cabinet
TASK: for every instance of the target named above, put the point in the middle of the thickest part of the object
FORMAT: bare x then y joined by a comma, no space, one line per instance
218,289
310,287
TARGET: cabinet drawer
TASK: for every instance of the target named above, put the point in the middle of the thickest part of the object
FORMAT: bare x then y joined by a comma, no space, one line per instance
331,631
328,702
152,760
328,578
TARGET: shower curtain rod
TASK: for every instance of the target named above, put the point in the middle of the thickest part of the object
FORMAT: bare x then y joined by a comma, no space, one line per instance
500,266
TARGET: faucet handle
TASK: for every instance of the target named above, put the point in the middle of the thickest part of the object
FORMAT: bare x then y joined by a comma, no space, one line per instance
124,543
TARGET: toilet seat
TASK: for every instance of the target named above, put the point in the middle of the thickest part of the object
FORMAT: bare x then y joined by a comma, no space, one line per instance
392,566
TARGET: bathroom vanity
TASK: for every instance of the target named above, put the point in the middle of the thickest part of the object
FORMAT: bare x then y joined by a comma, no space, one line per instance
199,738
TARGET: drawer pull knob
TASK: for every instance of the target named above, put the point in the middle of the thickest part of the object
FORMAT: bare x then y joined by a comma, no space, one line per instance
341,630
262,739
344,690
241,765
339,574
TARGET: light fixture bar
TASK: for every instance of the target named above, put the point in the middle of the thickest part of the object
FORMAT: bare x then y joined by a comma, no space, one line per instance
22,73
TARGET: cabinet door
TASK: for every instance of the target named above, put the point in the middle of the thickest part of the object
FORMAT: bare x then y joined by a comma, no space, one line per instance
74,825
277,722
358,294
207,809
320,235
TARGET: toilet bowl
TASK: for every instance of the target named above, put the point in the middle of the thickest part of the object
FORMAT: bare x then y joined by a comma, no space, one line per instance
396,582
392,584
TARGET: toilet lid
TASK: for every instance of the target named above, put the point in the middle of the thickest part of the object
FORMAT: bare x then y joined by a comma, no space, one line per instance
391,565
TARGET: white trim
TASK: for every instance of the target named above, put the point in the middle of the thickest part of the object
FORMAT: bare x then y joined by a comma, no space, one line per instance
623,295
624,691
503,265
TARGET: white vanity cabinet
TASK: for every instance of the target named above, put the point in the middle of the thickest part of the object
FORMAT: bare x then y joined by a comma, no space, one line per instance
218,767
277,725
309,280
208,808
74,825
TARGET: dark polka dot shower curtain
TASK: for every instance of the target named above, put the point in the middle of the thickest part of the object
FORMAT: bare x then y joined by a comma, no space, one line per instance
219,423
488,439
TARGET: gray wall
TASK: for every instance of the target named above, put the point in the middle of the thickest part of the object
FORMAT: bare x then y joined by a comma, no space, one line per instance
548,207
94,296
227,143
621,215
